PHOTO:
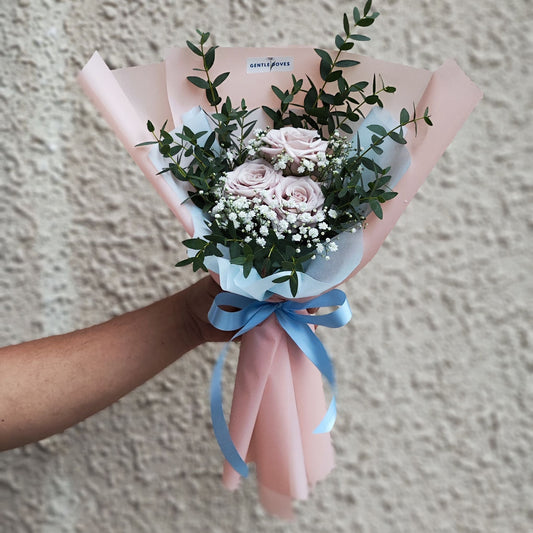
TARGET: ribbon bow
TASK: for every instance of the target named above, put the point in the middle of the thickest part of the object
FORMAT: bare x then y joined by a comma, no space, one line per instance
251,313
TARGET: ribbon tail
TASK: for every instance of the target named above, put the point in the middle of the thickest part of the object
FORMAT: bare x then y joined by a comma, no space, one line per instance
314,350
220,426
327,423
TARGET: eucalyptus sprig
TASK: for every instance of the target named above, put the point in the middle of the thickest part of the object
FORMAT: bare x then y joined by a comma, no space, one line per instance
208,60
328,111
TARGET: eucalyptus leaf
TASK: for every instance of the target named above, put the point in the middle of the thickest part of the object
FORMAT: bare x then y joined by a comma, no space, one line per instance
198,82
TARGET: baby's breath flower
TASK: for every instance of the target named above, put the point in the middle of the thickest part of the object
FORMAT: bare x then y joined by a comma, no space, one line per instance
283,225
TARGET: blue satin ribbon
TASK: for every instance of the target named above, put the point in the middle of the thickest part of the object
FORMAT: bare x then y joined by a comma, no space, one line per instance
251,313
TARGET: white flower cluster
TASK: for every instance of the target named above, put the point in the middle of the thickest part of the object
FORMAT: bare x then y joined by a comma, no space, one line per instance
259,217
339,149
254,145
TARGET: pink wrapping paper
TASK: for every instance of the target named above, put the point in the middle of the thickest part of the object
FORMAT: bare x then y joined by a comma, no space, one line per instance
278,397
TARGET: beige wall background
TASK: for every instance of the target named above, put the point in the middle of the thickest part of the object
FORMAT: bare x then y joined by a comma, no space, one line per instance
435,425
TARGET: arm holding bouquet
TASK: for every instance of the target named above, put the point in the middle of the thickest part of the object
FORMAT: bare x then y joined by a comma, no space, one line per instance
50,384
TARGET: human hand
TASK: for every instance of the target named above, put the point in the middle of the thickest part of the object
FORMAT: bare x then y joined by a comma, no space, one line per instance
197,301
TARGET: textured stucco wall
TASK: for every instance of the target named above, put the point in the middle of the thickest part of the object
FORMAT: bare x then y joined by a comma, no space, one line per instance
435,424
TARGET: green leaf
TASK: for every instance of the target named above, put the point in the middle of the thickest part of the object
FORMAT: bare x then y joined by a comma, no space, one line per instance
343,86
247,267
293,282
234,250
370,164
249,129
344,127
209,57
212,96
345,63
324,55
195,244
240,260
367,8
310,98
397,138
194,48
198,264
383,180
146,143
287,99
346,24
204,37
278,92
333,76
198,82
271,113
359,37
282,279
376,207
325,69
389,195
211,249
339,42
372,99
175,150
346,46
356,15
327,98
185,262
220,79
428,121
380,130
150,127
359,86
368,21
404,116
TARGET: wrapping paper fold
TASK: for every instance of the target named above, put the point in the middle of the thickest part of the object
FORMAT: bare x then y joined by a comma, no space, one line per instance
278,397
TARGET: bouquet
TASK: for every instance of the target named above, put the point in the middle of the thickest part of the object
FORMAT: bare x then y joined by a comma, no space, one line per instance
288,168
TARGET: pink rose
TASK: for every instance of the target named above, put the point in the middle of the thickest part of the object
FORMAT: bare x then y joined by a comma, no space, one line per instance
297,143
296,195
251,177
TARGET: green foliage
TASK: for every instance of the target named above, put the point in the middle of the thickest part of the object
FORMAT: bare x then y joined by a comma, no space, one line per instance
333,107
336,103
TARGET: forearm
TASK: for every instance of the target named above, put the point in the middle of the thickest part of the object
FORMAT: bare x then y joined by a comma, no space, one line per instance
50,384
